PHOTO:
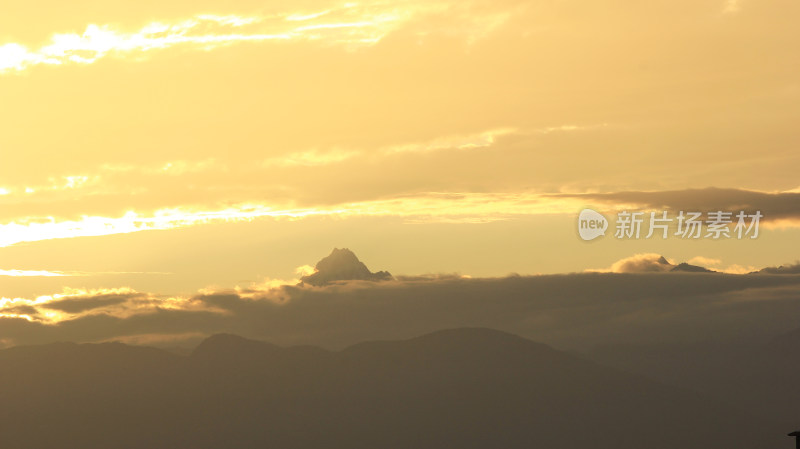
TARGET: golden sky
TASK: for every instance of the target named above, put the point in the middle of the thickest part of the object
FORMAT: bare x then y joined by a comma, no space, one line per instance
172,146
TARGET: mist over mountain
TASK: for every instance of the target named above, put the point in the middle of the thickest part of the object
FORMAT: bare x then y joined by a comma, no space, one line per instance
652,263
689,268
783,269
474,388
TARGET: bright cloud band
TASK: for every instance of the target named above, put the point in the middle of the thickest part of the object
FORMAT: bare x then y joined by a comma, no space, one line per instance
351,24
437,207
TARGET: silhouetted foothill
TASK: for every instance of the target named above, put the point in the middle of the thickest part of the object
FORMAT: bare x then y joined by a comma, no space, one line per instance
343,265
466,388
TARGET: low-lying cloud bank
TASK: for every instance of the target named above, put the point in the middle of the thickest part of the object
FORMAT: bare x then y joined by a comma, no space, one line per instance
656,263
577,310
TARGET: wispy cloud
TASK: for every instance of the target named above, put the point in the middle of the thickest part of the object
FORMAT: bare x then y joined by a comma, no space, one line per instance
428,206
732,7
73,303
98,41
352,24
202,32
704,261
317,157
465,142
50,273
638,263
568,128
32,273
310,158
62,183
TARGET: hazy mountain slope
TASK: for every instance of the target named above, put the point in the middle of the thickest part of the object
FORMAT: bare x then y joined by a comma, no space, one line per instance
754,375
474,388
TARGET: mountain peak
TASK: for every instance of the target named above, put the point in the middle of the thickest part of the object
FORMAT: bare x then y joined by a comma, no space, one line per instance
230,345
688,268
342,265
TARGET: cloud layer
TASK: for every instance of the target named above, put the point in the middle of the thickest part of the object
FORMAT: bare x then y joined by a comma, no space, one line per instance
571,311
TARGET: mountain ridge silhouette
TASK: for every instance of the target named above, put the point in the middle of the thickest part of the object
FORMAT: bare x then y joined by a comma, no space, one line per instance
468,387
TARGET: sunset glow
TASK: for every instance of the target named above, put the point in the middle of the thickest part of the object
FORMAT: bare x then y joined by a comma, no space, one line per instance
423,224
189,147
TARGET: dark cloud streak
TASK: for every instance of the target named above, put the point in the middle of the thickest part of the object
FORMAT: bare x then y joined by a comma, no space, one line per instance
774,206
